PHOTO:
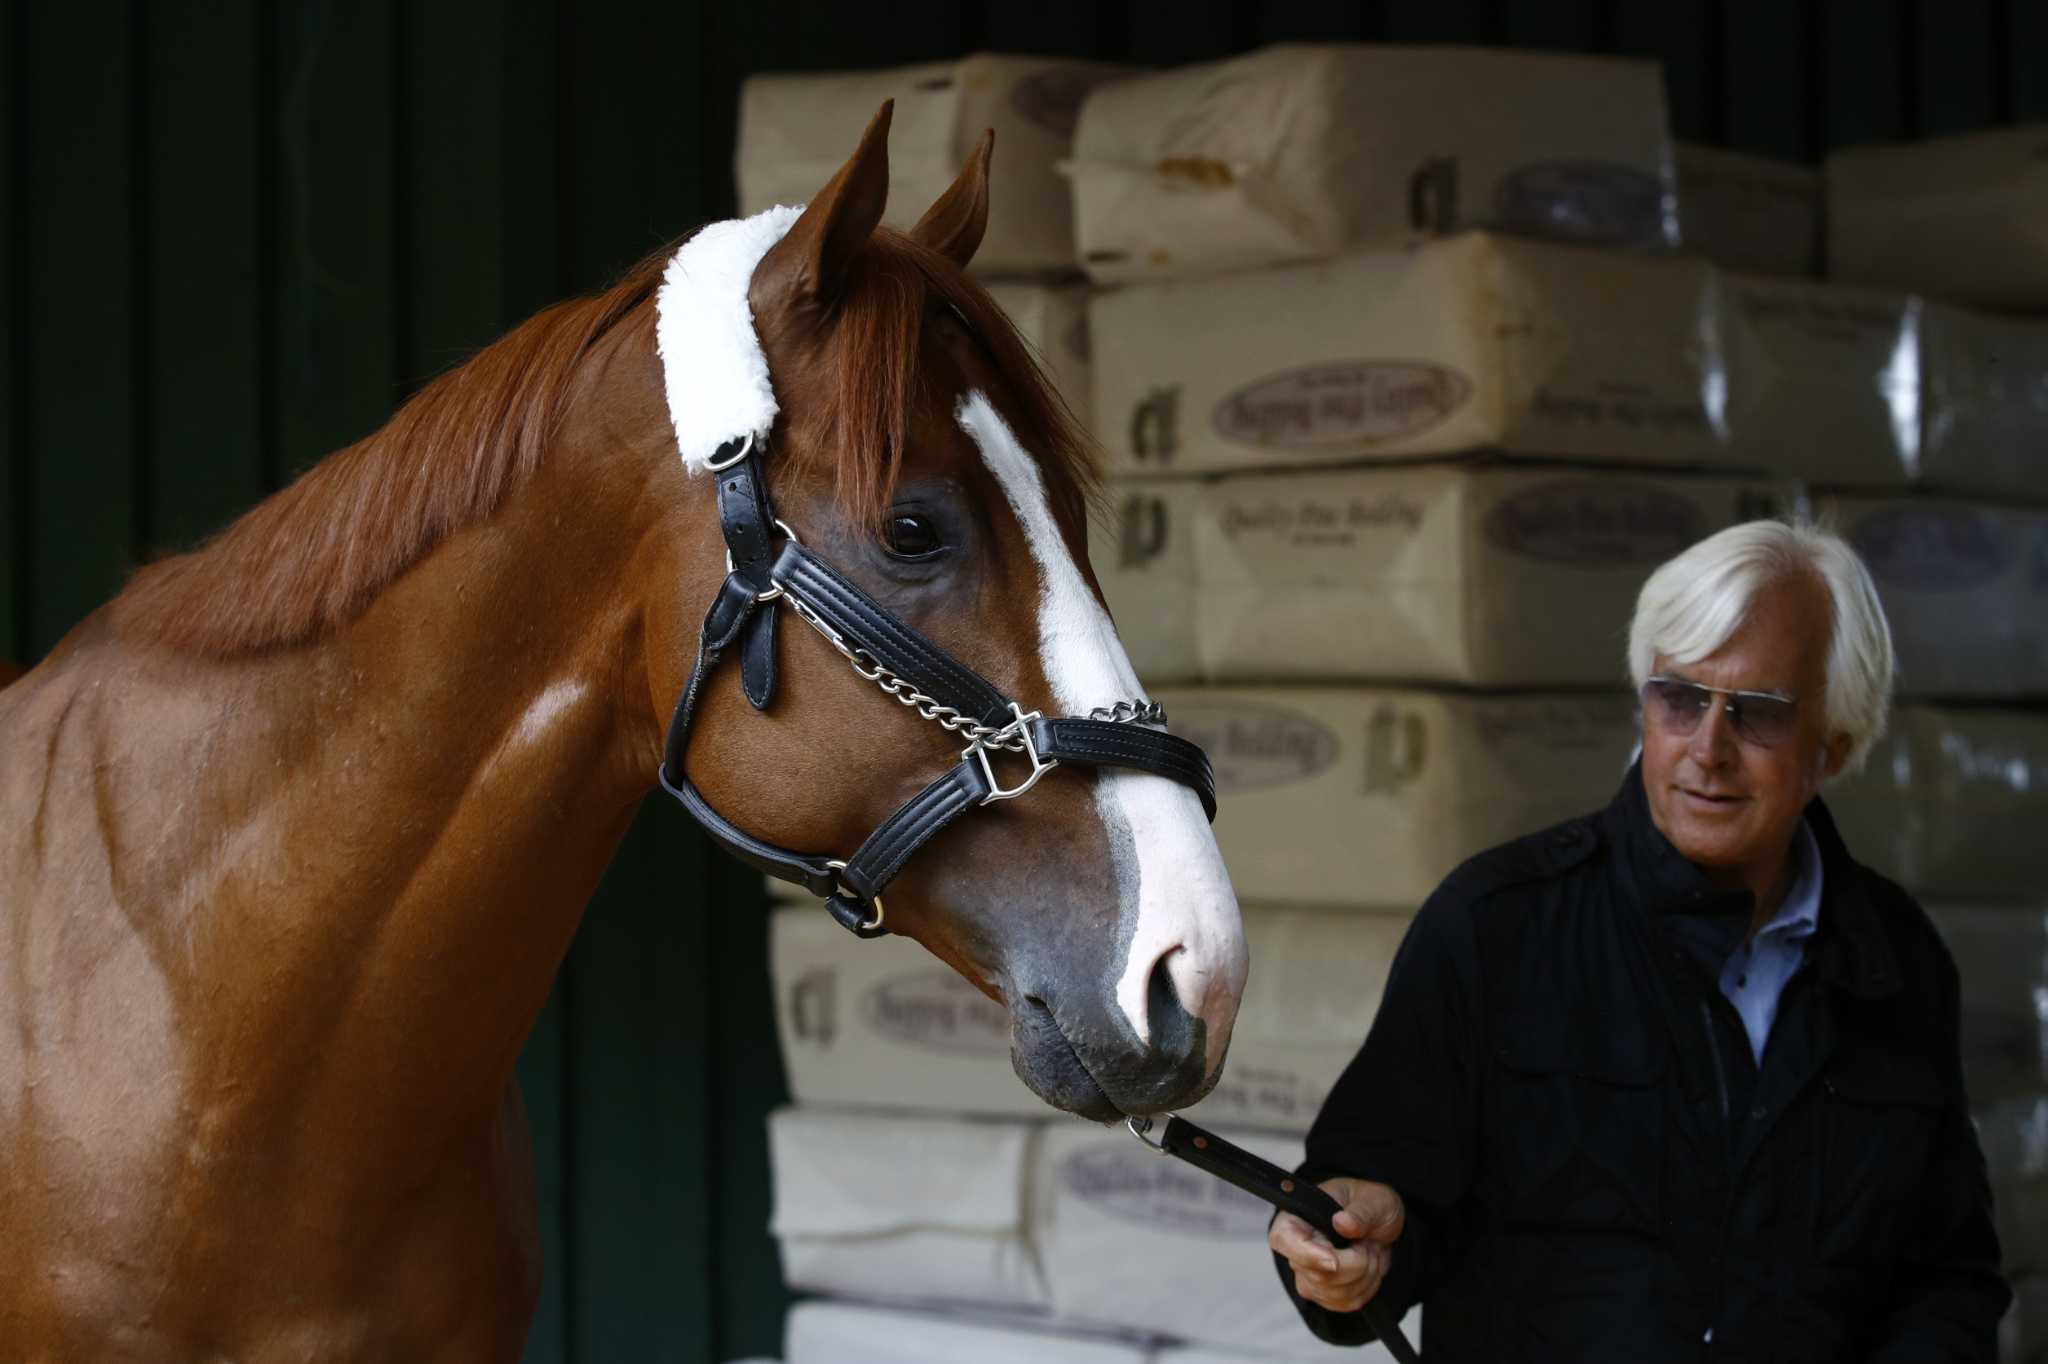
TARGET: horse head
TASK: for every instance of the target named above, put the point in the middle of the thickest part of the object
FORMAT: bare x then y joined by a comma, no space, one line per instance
909,441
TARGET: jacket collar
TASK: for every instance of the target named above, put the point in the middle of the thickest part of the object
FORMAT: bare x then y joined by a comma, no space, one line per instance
1851,948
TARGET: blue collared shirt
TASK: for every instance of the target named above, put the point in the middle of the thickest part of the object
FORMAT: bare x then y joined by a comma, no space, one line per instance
1754,977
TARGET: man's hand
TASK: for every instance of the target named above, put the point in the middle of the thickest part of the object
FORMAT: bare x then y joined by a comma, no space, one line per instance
1343,1280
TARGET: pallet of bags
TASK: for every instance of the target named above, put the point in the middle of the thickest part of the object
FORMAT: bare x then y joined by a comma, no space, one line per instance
1302,151
1748,212
883,1024
1133,1240
1470,342
794,130
918,1208
1952,803
1961,217
1964,586
1477,574
821,1332
1368,797
1053,318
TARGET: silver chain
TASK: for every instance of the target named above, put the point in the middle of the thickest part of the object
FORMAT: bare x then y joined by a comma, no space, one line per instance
1003,737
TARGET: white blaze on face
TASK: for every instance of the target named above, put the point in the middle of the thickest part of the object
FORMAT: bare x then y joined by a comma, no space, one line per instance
1186,910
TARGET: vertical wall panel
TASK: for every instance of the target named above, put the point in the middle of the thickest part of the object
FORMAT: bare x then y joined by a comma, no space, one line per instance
640,1051
1058,28
1556,25
1684,36
1863,62
1766,65
79,310
2026,60
1189,31
202,255
1315,21
529,188
336,306
1442,21
1957,75
13,645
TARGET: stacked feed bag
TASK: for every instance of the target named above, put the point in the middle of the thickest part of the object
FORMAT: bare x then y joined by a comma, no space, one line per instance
1748,212
796,130
1053,319
1952,802
848,1333
1110,1212
885,1206
1440,573
883,1025
1300,152
1367,797
1965,589
1957,217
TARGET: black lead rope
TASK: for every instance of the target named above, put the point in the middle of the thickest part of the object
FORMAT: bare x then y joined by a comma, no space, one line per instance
1264,1180
765,569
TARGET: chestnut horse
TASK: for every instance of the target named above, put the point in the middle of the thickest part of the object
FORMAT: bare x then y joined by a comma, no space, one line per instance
295,832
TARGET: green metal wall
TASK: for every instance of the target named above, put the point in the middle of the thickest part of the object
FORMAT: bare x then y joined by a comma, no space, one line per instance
233,235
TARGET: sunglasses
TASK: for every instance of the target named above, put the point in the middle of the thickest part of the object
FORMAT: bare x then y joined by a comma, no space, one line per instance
1761,718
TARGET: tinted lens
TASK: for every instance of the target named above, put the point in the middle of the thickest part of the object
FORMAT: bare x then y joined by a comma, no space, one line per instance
1763,720
1675,707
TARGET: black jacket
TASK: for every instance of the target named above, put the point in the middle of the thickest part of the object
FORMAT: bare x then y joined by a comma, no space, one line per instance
1593,1167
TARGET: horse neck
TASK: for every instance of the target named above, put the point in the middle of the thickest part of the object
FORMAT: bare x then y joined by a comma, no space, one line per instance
467,755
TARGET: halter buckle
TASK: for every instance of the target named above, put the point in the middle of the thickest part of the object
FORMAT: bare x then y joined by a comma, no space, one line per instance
745,447
1019,728
875,901
775,589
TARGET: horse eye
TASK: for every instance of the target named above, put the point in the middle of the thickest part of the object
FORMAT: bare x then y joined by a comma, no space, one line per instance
911,535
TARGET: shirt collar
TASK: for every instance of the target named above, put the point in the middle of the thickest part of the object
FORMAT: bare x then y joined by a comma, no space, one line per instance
1799,915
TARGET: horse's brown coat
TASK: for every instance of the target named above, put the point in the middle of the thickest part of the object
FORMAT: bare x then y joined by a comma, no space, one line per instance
294,836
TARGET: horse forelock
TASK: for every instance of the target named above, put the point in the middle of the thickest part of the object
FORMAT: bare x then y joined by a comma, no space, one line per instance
311,557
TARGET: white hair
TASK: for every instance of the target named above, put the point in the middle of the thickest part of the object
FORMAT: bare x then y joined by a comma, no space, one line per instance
1693,603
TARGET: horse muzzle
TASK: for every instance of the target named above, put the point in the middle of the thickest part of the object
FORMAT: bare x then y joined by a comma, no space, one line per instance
1083,1059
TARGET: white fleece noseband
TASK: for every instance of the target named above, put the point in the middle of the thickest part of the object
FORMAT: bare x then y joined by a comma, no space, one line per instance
711,360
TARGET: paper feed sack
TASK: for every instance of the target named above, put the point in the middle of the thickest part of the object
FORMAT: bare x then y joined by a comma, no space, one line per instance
1467,343
1964,587
1135,1240
2001,956
1952,803
1369,797
916,1208
1142,548
797,130
884,1025
847,1333
1301,151
1957,217
1749,212
1053,318
1477,575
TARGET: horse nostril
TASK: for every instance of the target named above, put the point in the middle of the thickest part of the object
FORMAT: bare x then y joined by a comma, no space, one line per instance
1172,1028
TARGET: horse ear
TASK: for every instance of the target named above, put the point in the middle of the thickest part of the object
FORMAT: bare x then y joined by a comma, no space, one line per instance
953,225
810,263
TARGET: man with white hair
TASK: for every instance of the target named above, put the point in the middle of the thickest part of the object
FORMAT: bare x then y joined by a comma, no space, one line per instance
1680,1079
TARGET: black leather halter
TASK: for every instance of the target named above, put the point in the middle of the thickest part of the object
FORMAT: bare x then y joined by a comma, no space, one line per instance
762,570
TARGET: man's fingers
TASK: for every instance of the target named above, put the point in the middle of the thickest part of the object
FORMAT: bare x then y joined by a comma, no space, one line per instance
1371,1211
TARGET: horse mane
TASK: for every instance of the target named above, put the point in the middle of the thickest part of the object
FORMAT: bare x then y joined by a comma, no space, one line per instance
311,557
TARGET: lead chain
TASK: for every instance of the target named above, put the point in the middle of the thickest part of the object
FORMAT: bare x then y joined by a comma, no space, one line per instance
1006,737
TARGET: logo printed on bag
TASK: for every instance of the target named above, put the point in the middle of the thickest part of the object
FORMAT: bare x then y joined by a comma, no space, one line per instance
939,1011
1353,404
1396,748
1583,201
1052,98
1134,1185
1252,744
814,1006
1155,425
1596,523
1931,549
1433,196
1142,532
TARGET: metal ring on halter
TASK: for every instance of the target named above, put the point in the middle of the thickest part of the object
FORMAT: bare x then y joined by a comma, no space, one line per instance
876,901
1019,728
1139,1126
772,593
719,466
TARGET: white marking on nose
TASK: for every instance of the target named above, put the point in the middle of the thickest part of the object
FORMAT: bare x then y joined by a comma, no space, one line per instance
1186,910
